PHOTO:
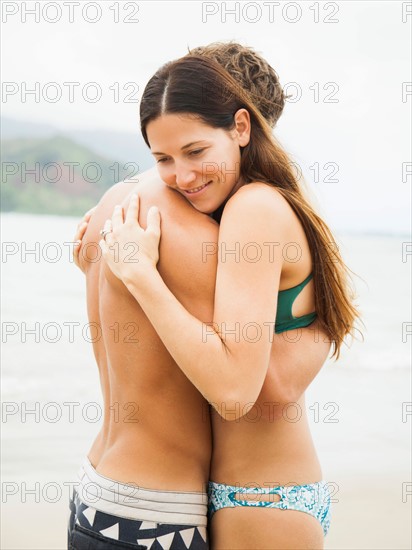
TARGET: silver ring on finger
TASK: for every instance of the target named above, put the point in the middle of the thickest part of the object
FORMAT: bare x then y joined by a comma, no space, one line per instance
104,232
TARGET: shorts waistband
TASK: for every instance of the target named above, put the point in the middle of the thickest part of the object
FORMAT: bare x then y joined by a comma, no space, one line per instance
135,502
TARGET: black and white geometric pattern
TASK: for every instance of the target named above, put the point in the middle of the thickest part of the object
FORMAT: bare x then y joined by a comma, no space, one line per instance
91,529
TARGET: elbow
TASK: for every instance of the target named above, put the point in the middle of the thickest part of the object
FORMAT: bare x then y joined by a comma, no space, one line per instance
233,406
237,404
291,395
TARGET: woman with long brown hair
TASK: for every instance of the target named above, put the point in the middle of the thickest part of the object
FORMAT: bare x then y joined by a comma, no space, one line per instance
281,286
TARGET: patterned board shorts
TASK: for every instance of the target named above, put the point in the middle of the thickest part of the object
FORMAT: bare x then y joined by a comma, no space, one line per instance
108,515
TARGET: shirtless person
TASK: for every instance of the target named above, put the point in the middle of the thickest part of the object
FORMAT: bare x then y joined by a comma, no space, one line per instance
156,432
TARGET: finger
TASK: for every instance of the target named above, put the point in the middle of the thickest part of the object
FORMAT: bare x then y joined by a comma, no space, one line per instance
132,215
81,230
89,213
87,216
117,217
76,252
153,220
108,227
79,225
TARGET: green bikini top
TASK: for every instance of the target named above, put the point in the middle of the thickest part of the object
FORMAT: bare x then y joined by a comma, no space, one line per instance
284,318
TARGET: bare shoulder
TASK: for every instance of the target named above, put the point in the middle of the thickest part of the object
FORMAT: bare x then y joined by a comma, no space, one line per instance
259,193
262,204
175,210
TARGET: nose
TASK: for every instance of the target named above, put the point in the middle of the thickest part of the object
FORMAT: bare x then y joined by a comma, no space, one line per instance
184,176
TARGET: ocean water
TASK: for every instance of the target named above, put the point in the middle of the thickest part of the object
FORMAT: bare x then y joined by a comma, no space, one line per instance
358,407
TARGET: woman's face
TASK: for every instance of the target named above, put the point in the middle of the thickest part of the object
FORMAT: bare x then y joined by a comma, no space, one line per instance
199,161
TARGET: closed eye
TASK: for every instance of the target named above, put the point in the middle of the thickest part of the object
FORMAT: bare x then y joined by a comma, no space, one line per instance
193,153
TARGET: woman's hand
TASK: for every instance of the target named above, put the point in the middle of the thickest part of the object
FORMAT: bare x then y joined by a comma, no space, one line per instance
130,251
81,230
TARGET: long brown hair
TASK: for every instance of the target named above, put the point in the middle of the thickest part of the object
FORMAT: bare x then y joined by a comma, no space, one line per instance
201,87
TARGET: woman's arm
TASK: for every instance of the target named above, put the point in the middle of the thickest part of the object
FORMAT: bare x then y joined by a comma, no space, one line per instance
226,361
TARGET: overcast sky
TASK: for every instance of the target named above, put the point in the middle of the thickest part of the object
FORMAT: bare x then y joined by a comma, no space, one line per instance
347,126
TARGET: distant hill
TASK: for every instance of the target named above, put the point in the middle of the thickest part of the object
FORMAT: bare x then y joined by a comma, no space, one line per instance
122,146
55,175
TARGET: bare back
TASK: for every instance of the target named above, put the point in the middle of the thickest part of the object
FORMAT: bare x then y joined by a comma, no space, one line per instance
156,431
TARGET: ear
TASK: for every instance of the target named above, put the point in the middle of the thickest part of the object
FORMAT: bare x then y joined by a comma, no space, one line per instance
242,126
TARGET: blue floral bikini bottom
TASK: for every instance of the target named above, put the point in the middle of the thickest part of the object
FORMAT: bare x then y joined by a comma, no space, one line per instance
313,499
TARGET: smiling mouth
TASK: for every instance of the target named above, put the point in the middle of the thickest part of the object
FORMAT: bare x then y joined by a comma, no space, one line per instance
196,189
